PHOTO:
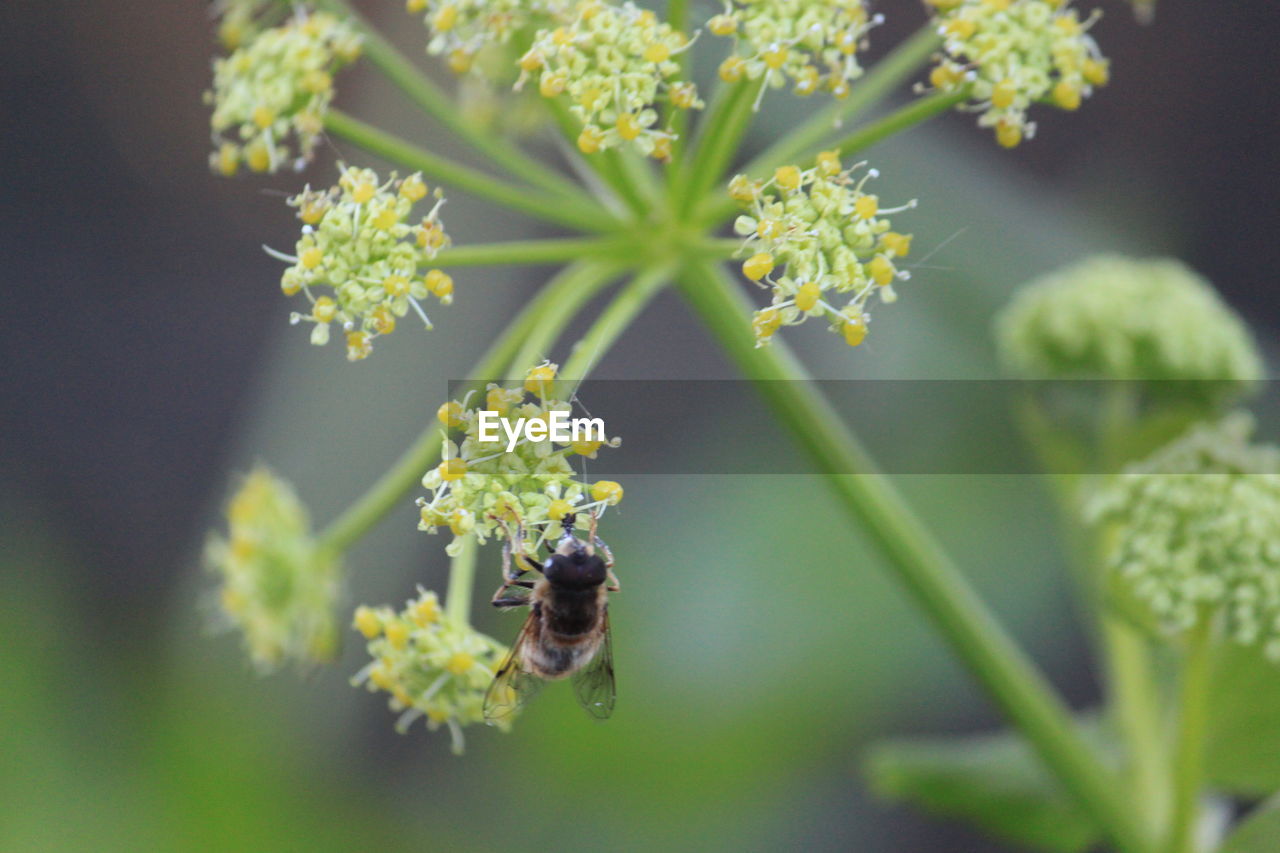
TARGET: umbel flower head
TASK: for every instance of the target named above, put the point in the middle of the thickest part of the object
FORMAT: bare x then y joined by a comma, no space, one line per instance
278,588
432,665
480,488
277,86
1197,533
1111,317
359,257
1015,53
462,29
812,43
821,243
613,63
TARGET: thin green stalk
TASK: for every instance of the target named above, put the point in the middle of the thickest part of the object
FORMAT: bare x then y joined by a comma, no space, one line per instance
1135,703
678,119
1012,681
885,76
526,252
1193,721
462,574
605,165
437,103
712,151
720,207
395,149
613,321
405,473
591,278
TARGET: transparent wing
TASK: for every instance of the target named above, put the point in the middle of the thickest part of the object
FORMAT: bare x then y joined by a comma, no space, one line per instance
512,686
594,683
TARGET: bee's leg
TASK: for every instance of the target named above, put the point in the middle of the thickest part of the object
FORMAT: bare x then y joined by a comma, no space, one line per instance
614,584
513,548
505,603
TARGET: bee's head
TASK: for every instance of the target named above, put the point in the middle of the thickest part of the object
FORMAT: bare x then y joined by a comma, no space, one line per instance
575,565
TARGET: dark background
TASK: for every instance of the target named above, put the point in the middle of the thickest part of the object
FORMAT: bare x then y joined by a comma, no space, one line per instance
146,357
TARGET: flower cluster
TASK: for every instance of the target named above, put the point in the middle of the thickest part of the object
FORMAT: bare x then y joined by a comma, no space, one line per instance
359,242
1111,317
278,84
613,63
432,665
1013,53
278,588
461,29
814,43
813,234
481,488
1197,533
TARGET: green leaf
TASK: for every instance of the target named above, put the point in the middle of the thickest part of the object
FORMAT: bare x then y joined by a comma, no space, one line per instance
1258,832
1244,713
992,781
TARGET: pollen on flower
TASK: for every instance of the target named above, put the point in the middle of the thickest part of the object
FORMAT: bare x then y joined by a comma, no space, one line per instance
278,588
435,667
813,44
359,253
813,234
1014,54
1192,533
614,63
532,484
276,85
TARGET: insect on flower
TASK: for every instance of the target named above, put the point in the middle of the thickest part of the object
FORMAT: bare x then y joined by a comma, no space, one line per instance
567,631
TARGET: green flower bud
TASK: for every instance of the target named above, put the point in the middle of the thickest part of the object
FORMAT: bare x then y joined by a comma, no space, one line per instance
1194,533
278,588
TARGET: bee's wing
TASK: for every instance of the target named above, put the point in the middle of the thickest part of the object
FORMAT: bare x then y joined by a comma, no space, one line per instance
512,686
594,683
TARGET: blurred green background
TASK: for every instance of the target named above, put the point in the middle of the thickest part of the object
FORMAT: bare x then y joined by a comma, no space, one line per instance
760,646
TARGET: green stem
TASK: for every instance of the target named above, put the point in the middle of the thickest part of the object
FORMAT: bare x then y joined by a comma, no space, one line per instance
462,574
1012,681
1135,702
605,165
885,76
437,103
718,137
590,279
1188,758
613,321
527,252
395,149
405,473
721,207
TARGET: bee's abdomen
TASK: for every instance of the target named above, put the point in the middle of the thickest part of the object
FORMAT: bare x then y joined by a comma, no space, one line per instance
569,615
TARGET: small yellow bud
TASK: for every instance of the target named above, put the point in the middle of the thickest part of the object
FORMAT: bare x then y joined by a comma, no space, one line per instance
381,678
460,61
257,157
558,509
396,286
766,322
742,188
787,177
445,18
452,469
1066,95
384,322
628,127
960,28
586,448
684,95
263,116
807,296
1003,93
723,25
768,229
228,159
866,206
324,310
385,219
397,634
413,188
461,522
367,622
758,266
532,61
776,58
552,84
450,414
898,244
854,328
881,270
460,663
732,69
359,345
363,192
1096,71
607,491
538,380
829,162
311,257
590,139
439,283
1008,134
415,6
662,148
426,612
317,82
944,76
657,52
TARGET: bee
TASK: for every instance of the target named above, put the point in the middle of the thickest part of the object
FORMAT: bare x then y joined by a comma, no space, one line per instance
567,631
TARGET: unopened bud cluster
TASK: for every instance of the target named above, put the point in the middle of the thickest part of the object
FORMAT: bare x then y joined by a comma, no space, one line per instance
812,43
1197,533
480,487
1015,53
360,257
821,243
613,63
277,588
276,89
431,665
462,29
